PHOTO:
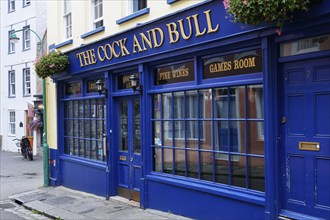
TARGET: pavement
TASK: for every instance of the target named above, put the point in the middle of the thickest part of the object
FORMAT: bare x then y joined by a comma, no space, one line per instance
63,203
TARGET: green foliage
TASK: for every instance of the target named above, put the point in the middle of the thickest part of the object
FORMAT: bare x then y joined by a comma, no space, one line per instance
51,63
254,12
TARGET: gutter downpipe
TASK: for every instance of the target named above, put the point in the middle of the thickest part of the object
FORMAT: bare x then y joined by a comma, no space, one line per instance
45,144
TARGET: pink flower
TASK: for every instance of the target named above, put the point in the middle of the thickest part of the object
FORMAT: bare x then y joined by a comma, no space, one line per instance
278,31
226,3
52,65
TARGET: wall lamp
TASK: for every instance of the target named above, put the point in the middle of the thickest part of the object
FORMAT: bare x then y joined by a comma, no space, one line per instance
101,88
13,38
135,84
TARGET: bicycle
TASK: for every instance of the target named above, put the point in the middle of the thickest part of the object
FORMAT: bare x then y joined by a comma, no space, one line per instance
25,147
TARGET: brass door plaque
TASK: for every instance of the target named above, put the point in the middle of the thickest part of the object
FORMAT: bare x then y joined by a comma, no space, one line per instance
122,158
314,146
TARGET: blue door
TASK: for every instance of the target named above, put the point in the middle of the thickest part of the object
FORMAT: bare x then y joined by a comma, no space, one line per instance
305,164
129,148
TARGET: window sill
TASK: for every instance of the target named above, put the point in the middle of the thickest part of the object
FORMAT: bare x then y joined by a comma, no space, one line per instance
171,1
95,31
11,97
63,44
11,11
26,49
29,95
133,16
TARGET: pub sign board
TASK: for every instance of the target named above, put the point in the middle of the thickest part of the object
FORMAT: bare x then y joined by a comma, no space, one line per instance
181,72
194,26
233,64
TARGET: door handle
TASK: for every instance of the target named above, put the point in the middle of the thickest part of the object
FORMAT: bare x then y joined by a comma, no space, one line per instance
283,120
132,159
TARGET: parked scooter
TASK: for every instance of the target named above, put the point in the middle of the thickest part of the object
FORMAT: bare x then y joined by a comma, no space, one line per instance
25,147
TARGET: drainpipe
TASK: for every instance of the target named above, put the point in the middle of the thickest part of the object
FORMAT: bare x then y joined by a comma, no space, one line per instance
45,144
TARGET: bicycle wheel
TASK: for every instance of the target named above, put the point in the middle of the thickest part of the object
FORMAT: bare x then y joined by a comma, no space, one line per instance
30,154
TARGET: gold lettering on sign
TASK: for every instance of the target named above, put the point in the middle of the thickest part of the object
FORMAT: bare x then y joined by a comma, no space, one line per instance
220,67
172,30
184,28
184,36
245,63
165,75
87,57
180,73
209,23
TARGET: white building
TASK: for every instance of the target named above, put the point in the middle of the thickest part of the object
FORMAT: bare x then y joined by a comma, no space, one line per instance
19,83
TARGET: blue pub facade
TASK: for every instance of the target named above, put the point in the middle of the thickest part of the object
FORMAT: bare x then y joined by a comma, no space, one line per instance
228,121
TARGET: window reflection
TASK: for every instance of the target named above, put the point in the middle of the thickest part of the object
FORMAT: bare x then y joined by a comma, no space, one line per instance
211,135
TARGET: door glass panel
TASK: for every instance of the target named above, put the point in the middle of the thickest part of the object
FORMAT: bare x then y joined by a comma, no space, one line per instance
123,126
137,131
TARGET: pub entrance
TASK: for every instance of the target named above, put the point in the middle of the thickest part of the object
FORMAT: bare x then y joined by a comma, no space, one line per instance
306,144
129,147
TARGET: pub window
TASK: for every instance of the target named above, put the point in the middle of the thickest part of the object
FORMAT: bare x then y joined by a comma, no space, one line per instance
91,86
307,45
211,134
73,88
84,127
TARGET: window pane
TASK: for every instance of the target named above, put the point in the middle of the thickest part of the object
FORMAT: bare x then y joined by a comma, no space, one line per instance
221,103
178,105
257,173
307,45
179,133
221,135
237,102
123,125
192,134
206,138
158,159
157,140
238,170
206,166
167,133
237,136
192,104
255,101
137,131
221,169
167,105
256,138
156,106
192,163
180,165
168,160
205,103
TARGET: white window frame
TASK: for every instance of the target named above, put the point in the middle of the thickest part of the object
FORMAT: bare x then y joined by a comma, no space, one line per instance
26,38
11,5
131,8
26,82
97,5
26,3
11,45
11,122
67,19
12,83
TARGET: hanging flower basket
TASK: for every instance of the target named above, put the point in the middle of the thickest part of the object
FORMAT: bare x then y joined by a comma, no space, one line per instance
255,12
51,63
35,124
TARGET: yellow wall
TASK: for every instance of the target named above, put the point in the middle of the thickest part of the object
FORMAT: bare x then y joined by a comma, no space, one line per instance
81,24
